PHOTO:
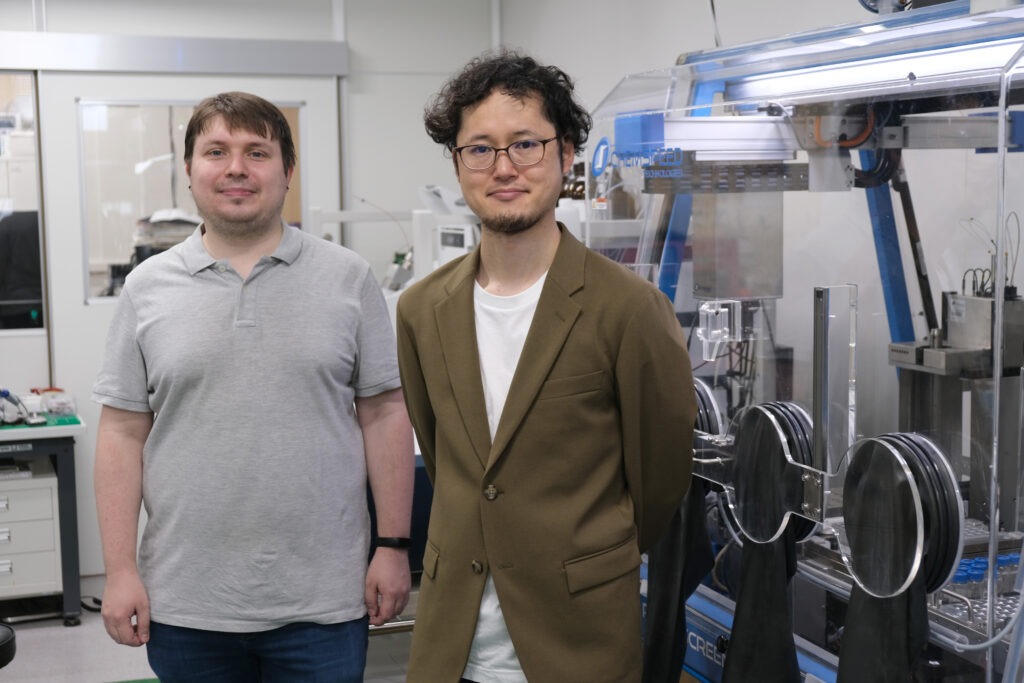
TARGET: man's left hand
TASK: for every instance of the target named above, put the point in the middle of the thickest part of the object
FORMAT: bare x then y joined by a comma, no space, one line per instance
387,584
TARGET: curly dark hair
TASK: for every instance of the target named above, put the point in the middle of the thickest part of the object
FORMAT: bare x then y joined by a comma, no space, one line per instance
516,75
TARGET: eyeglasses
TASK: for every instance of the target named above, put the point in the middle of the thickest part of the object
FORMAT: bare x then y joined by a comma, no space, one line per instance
521,153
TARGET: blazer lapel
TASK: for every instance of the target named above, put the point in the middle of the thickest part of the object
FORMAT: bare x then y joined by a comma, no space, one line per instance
555,316
457,330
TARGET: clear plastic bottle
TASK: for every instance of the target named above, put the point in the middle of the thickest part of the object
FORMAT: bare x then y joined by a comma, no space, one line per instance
981,564
959,585
1012,568
964,588
1003,584
976,584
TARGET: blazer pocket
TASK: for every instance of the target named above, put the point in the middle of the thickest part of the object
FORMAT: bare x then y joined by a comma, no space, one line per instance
591,570
570,386
430,555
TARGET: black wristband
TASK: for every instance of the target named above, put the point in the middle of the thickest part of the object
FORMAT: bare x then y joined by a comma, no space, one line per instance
394,542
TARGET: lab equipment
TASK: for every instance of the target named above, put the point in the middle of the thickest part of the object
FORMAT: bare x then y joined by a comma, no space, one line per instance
32,419
736,180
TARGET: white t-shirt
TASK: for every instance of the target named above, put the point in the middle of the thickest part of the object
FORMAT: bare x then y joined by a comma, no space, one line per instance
502,323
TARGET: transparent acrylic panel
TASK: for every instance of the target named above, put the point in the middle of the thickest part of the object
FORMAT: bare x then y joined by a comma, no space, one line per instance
883,520
136,199
835,375
22,300
902,515
1011,405
767,484
737,245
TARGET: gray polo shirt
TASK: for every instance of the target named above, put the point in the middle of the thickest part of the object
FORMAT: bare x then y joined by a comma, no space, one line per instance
254,476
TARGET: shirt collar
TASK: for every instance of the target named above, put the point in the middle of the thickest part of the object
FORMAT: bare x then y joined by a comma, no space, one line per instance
290,246
197,258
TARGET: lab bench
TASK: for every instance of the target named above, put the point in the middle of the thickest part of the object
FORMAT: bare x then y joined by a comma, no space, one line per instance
39,524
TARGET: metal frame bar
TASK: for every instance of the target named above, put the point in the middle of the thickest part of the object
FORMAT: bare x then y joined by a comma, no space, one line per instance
45,51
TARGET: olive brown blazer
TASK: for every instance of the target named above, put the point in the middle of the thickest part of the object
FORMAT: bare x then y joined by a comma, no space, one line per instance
591,457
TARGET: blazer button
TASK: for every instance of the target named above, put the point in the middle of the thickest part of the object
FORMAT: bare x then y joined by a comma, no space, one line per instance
490,493
477,567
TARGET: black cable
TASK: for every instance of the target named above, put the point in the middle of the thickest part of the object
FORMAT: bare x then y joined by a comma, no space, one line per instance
717,358
714,21
90,603
885,167
888,115
902,188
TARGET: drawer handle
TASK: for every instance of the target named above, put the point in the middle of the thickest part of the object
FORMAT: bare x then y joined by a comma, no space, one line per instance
5,535
6,567
5,504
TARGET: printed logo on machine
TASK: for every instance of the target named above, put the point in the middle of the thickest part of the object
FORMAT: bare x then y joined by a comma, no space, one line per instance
705,648
601,157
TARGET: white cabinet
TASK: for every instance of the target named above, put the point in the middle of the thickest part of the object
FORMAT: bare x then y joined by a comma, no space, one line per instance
30,557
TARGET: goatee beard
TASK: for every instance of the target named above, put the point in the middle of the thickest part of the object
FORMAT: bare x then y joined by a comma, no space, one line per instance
510,224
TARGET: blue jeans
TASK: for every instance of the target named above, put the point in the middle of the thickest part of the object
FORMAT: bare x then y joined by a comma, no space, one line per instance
312,653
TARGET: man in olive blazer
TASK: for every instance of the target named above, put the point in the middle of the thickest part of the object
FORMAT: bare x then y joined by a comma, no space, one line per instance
592,452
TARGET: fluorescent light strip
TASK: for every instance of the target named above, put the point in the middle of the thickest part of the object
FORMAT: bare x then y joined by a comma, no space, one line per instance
977,61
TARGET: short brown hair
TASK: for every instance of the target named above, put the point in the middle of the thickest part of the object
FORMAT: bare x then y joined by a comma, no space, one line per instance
241,110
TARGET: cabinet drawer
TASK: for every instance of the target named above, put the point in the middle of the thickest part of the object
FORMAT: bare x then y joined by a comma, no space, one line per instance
29,574
26,537
25,504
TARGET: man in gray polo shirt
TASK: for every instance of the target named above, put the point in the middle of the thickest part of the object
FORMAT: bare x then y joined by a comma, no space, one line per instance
249,388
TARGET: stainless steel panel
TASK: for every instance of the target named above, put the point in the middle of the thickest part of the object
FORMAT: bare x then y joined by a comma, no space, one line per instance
968,321
968,325
956,361
905,352
952,132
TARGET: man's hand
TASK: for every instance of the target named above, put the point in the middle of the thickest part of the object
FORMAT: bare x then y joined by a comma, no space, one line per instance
387,584
123,598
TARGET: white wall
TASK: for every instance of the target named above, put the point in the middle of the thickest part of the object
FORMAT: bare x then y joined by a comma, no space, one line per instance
23,360
16,15
400,54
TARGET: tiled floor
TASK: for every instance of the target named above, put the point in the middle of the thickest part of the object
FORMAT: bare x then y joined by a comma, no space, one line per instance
49,652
